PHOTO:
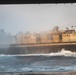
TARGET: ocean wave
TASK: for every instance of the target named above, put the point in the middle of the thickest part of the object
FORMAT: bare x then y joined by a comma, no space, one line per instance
63,52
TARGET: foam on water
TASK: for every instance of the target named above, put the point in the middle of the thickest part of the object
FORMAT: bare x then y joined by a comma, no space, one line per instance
19,65
63,52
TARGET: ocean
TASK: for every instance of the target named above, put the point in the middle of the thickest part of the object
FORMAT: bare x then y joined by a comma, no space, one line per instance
62,61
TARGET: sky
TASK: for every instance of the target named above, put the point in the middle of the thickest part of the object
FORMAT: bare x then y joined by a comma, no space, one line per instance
15,18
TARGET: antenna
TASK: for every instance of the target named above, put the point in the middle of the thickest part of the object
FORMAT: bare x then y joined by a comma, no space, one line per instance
73,27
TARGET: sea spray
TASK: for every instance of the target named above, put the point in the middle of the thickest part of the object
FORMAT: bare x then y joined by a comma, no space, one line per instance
63,52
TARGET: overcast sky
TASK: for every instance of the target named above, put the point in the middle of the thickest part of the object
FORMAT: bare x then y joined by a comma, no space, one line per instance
36,18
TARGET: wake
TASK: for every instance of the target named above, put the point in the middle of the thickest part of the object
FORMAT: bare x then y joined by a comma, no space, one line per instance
63,52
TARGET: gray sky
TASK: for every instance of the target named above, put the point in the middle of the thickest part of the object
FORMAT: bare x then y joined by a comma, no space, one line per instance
36,18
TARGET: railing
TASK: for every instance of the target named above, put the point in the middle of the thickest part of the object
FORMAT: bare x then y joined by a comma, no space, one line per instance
46,44
34,45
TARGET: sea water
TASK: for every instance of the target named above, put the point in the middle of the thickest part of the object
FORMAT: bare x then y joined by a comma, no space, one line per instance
64,60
